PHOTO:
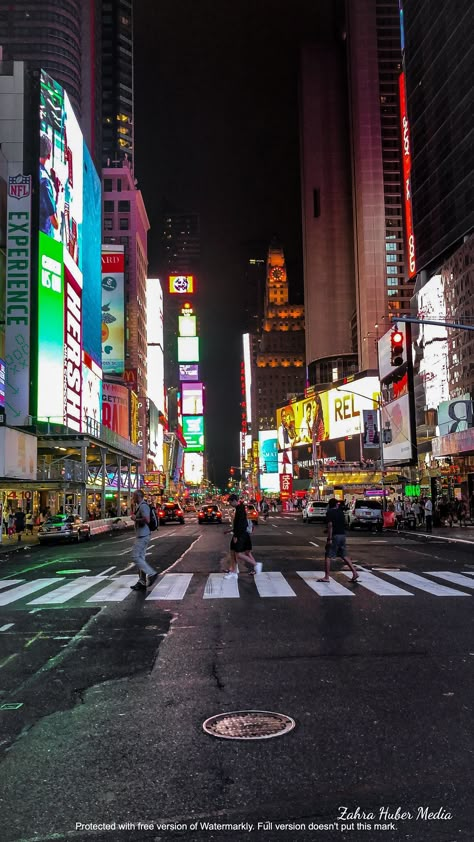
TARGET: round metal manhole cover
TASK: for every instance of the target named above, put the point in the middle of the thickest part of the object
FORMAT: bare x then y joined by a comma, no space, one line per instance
248,725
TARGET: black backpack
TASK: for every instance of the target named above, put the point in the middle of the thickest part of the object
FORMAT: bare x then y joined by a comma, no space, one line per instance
153,524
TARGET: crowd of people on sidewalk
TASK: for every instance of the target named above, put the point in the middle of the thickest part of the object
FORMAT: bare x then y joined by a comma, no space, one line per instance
420,511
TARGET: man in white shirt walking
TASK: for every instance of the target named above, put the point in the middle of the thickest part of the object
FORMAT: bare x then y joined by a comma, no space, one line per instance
429,514
141,516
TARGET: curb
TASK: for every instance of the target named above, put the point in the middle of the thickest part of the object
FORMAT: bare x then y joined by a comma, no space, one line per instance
426,536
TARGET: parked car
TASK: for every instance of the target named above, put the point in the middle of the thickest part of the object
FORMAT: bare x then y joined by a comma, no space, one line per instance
315,510
210,514
64,528
170,512
252,513
365,513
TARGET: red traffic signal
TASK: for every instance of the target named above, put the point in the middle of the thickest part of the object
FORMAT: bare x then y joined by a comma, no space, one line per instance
231,471
396,347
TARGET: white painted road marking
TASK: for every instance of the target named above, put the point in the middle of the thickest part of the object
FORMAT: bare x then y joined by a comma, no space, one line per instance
26,590
314,544
67,592
455,578
5,583
219,588
288,533
6,627
377,585
424,584
116,591
104,572
273,584
172,586
331,588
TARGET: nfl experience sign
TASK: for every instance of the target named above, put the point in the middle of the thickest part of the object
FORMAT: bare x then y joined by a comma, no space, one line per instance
17,300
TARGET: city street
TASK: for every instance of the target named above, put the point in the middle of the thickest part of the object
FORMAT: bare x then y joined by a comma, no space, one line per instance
104,691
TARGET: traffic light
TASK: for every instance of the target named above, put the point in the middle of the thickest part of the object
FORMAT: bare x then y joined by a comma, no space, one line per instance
231,471
396,347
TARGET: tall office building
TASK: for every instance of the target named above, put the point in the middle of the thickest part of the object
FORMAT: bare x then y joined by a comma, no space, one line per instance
63,39
180,242
278,351
355,274
117,82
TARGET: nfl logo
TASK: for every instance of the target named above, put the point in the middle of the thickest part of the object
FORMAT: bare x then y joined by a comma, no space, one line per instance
19,186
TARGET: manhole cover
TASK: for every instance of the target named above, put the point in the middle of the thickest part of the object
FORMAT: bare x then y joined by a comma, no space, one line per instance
248,725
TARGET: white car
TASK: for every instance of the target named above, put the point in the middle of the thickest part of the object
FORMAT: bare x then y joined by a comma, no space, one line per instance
365,513
315,510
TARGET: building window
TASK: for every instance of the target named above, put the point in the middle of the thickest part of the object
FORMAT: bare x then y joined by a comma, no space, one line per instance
108,185
124,223
108,224
124,206
108,206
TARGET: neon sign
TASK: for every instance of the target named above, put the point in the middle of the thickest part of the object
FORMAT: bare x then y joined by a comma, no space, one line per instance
406,155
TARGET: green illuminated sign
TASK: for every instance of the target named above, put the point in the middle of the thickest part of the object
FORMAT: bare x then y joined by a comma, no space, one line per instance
412,491
50,329
193,432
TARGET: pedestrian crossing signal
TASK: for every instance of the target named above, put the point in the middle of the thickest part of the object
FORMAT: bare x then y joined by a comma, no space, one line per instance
396,346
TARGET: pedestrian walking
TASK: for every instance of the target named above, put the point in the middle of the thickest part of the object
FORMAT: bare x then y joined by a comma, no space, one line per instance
241,544
336,540
429,514
19,523
29,523
146,573
11,524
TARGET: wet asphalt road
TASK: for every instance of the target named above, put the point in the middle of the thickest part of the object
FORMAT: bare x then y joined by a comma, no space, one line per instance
113,695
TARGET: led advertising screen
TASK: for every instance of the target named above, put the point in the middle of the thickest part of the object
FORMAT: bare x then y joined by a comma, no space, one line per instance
2,382
193,468
405,129
187,325
91,260
188,372
268,459
72,370
113,309
193,431
91,394
303,421
60,169
181,284
188,349
50,329
432,342
115,408
346,403
396,423
192,398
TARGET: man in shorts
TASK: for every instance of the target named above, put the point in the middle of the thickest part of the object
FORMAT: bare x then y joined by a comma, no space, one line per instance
336,540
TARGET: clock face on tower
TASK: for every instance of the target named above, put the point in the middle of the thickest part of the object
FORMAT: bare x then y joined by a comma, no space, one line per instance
276,274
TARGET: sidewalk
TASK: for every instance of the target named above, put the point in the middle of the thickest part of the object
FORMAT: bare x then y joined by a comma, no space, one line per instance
464,535
9,545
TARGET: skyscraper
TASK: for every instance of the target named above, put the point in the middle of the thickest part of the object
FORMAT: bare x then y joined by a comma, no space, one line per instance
355,274
117,82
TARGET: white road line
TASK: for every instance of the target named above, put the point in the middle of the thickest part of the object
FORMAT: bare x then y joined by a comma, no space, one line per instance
26,590
107,571
123,540
377,585
124,552
455,540
219,588
5,583
468,573
424,584
314,544
288,533
455,578
183,555
6,627
274,525
273,584
116,591
67,592
331,588
171,587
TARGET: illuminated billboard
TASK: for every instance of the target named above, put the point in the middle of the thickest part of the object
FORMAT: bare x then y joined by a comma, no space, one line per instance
188,349
91,394
406,152
268,451
187,325
50,329
155,343
181,284
116,408
113,309
189,372
396,425
72,357
248,377
193,431
346,403
91,260
193,468
303,421
192,399
2,382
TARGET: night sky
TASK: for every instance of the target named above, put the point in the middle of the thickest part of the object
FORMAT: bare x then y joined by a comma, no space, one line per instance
216,132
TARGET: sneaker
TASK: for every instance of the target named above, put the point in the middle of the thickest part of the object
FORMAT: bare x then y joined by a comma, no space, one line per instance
150,579
258,567
231,575
138,586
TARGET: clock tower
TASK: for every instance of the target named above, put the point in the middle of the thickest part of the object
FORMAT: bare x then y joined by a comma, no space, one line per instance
277,280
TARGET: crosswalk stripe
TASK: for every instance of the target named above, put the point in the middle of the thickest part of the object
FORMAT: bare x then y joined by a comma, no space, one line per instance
67,592
117,590
219,588
424,584
376,585
455,578
172,586
331,588
7,582
273,584
26,589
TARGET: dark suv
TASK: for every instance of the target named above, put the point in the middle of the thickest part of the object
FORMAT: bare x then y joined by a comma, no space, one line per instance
171,512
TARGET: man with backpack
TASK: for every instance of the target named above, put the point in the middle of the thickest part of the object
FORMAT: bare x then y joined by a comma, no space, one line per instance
145,523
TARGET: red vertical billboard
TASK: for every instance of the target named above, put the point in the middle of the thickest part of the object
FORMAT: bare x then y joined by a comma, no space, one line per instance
72,352
406,158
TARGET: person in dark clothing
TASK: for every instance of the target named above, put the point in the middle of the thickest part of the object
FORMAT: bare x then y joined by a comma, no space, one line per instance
336,540
19,523
240,545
